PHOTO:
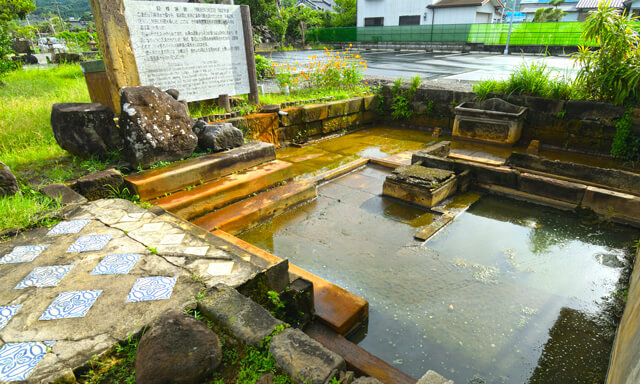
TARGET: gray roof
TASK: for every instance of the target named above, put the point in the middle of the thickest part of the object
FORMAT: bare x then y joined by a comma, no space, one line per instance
592,4
320,5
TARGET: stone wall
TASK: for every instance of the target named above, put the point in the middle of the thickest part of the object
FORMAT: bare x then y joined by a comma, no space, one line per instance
624,367
297,124
583,126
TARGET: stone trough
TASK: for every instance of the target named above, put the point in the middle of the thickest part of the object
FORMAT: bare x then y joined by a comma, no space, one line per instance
420,185
493,121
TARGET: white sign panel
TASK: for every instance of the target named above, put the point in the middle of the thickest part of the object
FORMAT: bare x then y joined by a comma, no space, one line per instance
195,48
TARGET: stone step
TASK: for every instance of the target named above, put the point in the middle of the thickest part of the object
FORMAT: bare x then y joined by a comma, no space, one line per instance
217,193
336,307
358,359
180,175
246,214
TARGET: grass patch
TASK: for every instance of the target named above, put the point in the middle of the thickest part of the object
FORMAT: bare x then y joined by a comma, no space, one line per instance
26,138
26,209
302,95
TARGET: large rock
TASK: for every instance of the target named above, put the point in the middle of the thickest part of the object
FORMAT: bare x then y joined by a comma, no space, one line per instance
8,182
177,349
63,193
218,137
432,377
303,358
155,127
99,185
85,130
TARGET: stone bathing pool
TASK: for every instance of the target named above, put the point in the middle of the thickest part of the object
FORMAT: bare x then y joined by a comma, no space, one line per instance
509,292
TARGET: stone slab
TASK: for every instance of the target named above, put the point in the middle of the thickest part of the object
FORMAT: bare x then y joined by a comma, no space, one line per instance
246,214
244,318
431,229
226,190
315,112
618,206
180,175
64,193
304,359
552,188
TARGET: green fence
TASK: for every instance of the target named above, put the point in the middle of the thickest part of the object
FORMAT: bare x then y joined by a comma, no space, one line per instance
563,34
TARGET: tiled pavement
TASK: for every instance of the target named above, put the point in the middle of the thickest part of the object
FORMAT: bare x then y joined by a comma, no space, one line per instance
72,291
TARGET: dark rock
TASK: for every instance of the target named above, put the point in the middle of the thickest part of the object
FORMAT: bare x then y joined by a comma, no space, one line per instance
85,130
64,193
177,349
245,319
154,126
367,380
303,358
218,137
8,182
271,108
99,185
173,93
21,46
266,379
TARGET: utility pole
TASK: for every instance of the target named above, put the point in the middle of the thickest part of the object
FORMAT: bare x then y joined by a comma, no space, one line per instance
516,3
54,2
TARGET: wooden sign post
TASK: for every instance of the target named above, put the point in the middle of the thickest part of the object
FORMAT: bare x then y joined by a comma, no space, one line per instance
202,50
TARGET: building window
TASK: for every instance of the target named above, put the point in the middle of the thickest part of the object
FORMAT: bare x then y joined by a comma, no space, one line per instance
410,20
374,21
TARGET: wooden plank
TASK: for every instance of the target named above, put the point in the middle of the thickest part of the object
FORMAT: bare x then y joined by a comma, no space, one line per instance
251,58
358,359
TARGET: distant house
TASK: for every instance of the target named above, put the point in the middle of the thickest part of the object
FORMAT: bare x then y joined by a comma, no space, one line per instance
373,13
585,6
529,8
318,5
632,7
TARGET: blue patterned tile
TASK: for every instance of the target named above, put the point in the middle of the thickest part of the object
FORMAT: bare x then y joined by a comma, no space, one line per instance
18,360
152,288
44,276
6,313
116,264
67,227
71,304
23,254
89,243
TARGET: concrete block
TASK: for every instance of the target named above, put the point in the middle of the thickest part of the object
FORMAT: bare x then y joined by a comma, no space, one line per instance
621,206
315,112
552,188
502,176
305,359
336,108
294,116
370,103
245,319
354,105
264,127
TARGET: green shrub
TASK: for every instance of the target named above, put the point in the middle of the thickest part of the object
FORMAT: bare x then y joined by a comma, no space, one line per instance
625,144
264,68
611,73
401,108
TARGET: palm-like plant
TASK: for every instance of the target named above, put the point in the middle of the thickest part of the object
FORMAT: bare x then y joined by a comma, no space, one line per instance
611,73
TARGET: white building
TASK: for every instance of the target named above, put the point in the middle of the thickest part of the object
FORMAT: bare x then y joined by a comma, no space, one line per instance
529,8
425,12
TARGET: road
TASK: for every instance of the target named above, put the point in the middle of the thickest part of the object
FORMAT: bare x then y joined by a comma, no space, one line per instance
446,66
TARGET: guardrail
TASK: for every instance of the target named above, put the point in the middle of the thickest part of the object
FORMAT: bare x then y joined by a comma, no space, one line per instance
547,34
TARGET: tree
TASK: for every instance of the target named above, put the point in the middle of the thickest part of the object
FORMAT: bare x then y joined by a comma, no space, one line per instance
303,18
261,10
345,13
15,9
554,14
279,23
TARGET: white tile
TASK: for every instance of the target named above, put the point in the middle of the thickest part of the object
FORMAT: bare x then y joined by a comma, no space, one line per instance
220,269
198,251
172,239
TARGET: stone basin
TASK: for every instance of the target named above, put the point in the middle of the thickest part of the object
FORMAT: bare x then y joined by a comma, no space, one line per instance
492,120
420,185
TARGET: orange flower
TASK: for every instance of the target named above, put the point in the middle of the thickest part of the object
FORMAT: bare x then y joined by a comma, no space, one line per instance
350,45
357,56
